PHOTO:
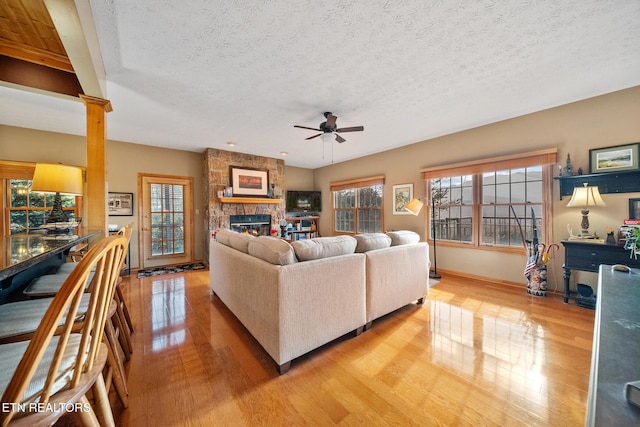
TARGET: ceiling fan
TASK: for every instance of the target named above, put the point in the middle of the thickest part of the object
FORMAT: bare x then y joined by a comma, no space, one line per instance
329,127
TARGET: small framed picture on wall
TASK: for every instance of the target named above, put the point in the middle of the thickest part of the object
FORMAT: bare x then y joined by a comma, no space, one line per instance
402,194
120,204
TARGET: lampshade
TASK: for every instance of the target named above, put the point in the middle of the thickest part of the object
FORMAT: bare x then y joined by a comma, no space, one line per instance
49,178
585,196
58,179
414,206
327,137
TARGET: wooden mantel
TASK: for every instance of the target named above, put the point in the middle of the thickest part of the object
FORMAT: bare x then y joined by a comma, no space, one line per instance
262,200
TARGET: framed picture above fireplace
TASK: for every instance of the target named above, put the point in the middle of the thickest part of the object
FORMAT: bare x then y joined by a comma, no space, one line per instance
249,182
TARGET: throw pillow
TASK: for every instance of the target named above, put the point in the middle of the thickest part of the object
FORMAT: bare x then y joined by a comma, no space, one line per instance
403,237
240,241
371,241
273,250
324,247
223,235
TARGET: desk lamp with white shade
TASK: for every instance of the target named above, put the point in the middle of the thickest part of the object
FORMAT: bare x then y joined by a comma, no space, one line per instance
586,197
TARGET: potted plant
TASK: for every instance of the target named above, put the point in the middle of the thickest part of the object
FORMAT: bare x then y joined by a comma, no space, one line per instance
632,241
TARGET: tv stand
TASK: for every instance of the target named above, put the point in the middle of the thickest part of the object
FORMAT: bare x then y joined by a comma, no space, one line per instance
304,227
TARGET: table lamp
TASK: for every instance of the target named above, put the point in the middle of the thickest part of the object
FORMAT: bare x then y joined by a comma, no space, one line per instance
58,179
585,197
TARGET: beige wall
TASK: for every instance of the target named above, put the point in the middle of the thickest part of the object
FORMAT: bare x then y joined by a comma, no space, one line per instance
124,162
603,121
298,179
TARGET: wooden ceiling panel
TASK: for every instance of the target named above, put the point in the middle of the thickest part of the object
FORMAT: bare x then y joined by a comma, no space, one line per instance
27,33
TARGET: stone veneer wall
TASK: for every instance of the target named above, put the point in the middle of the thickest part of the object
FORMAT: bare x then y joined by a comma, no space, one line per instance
216,170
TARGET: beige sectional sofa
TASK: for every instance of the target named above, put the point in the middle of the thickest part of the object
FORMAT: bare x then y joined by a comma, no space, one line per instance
296,297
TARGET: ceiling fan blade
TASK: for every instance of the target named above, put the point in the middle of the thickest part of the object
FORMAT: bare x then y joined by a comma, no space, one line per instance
331,120
314,136
305,127
340,139
351,129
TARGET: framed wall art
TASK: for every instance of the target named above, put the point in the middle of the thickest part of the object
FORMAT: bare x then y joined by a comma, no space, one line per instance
402,194
248,182
120,204
613,159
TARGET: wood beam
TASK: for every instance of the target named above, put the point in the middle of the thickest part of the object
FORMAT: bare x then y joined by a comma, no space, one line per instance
32,75
96,206
35,55
74,24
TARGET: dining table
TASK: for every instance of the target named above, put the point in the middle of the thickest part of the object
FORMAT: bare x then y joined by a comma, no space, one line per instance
30,255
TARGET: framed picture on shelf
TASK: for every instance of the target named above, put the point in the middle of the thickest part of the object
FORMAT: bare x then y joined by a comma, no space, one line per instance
402,194
248,182
634,208
120,204
613,159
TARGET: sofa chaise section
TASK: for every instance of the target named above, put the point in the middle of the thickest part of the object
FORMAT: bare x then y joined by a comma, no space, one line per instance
397,271
293,308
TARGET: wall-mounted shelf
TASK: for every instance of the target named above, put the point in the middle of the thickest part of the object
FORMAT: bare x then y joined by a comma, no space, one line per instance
262,200
608,182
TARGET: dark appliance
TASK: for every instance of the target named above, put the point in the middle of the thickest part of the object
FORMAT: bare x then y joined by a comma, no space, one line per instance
304,201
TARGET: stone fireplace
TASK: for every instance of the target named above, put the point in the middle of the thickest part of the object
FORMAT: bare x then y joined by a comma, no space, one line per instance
216,171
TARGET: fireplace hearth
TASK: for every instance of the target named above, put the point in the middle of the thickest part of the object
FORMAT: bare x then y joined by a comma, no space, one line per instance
258,225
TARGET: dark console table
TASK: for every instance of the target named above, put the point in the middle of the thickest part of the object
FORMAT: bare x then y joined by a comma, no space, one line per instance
615,359
584,256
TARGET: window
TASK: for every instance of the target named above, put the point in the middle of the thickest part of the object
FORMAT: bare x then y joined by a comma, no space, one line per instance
453,198
167,219
475,202
28,210
520,189
357,206
25,211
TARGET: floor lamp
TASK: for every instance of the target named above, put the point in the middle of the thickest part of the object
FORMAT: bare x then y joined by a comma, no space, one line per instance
435,274
414,207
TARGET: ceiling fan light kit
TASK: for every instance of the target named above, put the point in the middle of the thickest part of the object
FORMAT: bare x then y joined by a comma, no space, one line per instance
329,127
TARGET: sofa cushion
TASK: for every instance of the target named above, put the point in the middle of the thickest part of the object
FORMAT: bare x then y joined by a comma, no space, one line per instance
403,237
323,247
371,241
240,241
273,250
223,235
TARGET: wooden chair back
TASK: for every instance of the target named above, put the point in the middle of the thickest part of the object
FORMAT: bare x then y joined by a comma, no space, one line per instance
106,256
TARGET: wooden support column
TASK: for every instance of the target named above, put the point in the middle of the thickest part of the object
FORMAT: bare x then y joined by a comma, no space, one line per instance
96,195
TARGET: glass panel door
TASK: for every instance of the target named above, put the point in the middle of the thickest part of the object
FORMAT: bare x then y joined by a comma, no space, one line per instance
167,221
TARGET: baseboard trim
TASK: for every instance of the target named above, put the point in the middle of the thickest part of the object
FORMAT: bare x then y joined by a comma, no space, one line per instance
491,281
476,277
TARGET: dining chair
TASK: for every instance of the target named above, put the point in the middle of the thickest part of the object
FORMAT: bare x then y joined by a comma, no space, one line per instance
19,320
45,377
49,284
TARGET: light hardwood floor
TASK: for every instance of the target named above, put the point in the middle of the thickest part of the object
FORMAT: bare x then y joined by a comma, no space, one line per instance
474,354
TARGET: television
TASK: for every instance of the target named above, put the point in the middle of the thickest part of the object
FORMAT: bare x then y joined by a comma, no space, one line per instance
304,201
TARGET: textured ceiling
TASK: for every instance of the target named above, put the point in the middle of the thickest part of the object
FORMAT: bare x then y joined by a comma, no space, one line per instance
197,74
